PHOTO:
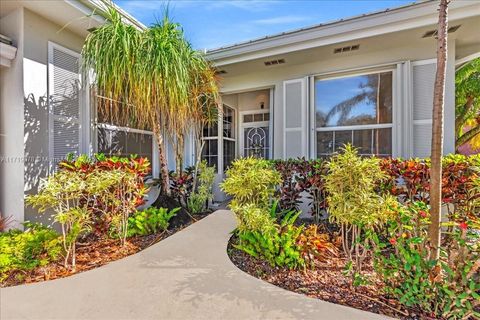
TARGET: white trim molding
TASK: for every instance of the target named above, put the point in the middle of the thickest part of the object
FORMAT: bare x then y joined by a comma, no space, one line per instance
7,54
416,15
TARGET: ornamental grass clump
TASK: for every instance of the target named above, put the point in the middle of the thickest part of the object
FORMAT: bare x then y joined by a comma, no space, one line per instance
354,202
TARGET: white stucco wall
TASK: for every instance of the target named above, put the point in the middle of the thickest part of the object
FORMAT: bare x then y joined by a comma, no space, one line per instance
274,76
11,120
38,31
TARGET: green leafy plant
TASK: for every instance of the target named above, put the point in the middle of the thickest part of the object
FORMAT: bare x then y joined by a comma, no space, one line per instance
64,192
354,203
447,288
23,251
150,221
87,191
252,182
467,104
199,198
278,246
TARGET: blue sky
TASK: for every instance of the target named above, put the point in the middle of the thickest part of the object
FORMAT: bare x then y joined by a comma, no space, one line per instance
211,24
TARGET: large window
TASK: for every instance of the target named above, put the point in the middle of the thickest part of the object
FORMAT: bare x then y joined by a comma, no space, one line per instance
121,141
357,110
220,134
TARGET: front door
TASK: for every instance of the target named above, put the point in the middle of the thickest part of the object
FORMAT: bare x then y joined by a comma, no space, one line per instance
255,134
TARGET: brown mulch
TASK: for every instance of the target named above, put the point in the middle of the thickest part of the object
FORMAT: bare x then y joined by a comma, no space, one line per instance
326,282
93,253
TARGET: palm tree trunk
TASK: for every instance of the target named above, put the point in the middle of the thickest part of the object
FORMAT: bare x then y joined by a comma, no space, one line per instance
179,150
164,175
434,231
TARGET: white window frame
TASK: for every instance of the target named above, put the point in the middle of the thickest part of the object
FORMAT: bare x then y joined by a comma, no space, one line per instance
254,124
219,137
155,159
83,115
339,75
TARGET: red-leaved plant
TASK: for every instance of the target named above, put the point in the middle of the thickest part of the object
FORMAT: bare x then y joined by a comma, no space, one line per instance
84,165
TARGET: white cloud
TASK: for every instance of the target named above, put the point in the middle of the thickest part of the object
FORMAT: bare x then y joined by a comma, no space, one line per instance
281,20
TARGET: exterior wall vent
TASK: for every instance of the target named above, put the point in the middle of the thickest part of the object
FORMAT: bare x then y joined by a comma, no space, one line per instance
347,48
274,62
433,33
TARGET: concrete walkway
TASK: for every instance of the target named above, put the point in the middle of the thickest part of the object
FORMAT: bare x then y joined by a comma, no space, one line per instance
186,276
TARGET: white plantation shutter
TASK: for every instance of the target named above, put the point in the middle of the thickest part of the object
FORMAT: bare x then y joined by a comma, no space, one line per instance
295,122
423,79
64,92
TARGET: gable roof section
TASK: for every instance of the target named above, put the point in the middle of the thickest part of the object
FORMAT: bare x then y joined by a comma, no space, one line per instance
418,14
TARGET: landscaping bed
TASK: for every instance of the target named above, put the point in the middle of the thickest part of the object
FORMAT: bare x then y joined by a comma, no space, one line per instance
95,252
327,282
374,252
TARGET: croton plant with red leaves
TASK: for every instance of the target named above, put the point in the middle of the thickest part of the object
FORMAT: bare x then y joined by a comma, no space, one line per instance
299,176
409,180
85,165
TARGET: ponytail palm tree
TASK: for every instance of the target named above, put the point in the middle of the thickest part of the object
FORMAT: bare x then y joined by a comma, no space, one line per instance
149,79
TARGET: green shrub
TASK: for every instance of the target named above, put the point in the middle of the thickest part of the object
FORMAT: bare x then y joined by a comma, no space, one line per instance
22,251
278,246
252,183
84,191
203,193
448,288
252,218
251,180
150,221
354,202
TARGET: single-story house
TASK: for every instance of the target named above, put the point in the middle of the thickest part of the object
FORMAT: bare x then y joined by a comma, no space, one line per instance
367,80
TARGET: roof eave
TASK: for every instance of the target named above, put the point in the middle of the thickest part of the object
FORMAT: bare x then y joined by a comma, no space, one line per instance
402,18
99,8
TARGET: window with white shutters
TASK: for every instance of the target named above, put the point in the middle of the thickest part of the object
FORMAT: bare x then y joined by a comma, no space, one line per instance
295,119
423,79
64,102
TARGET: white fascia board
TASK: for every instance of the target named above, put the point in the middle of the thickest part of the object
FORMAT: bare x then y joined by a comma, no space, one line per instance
86,10
99,7
419,15
7,54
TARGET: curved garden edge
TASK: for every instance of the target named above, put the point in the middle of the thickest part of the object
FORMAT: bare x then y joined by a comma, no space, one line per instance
171,280
326,283
93,254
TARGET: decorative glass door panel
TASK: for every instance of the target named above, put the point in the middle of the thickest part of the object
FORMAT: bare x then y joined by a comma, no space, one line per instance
256,142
